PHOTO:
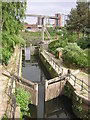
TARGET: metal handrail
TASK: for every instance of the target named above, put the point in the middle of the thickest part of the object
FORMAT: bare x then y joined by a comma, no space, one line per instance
57,79
82,83
54,62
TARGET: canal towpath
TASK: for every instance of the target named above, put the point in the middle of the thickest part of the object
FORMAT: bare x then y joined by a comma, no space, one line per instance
5,82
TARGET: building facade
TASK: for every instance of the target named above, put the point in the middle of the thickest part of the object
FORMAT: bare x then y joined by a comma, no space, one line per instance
58,22
39,21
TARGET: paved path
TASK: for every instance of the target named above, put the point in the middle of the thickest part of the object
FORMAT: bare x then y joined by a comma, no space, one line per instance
3,96
5,82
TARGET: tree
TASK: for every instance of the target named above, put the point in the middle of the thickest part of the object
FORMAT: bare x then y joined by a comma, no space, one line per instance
12,14
82,11
72,22
78,18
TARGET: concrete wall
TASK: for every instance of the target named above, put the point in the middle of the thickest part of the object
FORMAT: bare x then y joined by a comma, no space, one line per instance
51,71
54,90
80,105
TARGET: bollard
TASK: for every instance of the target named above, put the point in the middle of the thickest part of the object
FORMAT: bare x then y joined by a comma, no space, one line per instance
36,93
46,86
68,73
36,86
82,86
75,81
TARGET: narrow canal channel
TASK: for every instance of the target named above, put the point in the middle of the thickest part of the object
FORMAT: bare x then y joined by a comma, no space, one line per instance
34,71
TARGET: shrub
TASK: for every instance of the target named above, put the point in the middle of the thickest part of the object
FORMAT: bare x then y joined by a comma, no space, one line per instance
26,31
72,38
53,45
87,51
8,43
74,54
22,98
84,42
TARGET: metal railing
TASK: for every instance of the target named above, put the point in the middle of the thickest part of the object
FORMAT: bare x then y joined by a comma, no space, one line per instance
57,79
55,65
80,82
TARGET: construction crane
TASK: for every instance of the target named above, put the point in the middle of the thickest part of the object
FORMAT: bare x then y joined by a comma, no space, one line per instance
43,17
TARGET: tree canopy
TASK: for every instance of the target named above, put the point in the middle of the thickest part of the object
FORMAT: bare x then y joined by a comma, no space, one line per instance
79,18
12,15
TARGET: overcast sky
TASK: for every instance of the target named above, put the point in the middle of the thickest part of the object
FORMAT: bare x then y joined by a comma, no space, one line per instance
48,7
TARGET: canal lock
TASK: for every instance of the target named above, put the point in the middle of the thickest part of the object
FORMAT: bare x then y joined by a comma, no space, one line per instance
34,70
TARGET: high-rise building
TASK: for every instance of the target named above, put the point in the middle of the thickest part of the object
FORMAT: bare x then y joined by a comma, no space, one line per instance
58,22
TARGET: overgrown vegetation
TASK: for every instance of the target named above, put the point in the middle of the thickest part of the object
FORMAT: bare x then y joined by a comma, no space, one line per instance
74,43
22,99
31,37
75,55
84,42
12,14
8,43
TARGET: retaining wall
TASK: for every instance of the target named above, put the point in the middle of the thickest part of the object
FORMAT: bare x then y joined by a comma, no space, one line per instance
48,67
55,89
80,105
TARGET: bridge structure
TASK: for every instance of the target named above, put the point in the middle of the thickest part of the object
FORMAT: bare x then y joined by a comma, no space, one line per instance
43,17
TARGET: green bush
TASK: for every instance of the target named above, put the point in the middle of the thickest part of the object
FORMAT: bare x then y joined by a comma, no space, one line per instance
53,46
72,38
8,43
75,55
84,42
26,31
22,98
87,51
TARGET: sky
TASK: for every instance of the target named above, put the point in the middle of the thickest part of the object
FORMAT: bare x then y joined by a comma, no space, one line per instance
48,7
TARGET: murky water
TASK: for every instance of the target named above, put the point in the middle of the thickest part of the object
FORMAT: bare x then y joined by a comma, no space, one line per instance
60,107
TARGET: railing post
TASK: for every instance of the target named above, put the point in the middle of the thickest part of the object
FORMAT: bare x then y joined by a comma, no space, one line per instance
75,81
58,70
14,108
46,86
68,73
82,86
